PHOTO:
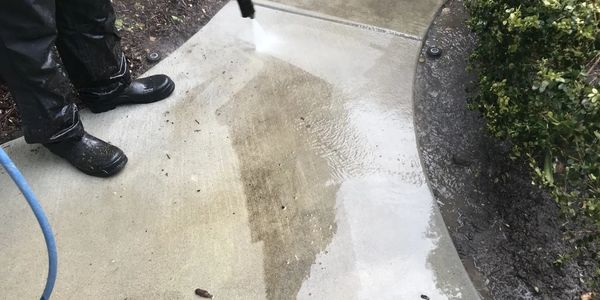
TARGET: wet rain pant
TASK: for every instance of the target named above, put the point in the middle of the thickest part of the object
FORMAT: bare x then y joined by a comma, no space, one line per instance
84,34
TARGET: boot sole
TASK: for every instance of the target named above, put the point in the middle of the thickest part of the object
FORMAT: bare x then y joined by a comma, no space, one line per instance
160,95
109,171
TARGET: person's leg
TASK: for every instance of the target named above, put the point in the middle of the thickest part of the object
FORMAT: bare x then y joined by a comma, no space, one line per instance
42,91
90,49
27,64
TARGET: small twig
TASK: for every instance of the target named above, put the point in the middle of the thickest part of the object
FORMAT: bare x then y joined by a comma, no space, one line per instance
8,113
592,72
595,63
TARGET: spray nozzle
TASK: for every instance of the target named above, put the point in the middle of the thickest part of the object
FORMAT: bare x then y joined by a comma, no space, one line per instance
247,8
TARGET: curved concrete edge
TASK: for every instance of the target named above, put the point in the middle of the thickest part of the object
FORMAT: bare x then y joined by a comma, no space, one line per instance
475,281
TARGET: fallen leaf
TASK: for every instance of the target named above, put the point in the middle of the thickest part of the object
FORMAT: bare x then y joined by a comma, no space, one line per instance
119,24
587,296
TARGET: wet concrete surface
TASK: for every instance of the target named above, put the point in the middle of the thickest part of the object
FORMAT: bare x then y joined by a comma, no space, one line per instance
284,166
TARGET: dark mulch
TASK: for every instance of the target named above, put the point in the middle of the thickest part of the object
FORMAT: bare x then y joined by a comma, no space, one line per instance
145,26
10,123
509,233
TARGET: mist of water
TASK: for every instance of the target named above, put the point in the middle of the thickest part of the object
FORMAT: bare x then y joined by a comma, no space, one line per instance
263,41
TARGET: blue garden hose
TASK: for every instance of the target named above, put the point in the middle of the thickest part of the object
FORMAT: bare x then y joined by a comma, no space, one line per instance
18,178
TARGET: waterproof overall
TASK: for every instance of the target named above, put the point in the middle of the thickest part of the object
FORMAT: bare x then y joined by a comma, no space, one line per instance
84,34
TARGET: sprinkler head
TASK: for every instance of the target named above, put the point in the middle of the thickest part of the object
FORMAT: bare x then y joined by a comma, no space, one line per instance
434,52
153,57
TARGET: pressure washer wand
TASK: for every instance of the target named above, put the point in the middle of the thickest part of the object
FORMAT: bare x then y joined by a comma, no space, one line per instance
247,8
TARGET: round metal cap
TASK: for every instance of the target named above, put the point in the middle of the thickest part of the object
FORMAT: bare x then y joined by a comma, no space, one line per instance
434,52
153,57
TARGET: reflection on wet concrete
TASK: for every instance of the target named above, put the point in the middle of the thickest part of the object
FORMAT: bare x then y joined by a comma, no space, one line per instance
380,248
335,193
331,172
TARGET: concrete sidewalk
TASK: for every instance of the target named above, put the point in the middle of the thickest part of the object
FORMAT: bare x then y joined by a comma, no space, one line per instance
284,166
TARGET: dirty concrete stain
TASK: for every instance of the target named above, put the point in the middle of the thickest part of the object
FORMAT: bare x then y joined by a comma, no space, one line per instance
290,187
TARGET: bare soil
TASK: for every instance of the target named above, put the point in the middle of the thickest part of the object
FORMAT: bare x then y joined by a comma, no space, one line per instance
145,26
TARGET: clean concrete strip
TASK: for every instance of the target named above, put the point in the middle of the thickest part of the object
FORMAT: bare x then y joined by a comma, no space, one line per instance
411,17
284,166
314,14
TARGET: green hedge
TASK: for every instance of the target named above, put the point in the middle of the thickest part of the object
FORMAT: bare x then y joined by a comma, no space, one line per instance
537,64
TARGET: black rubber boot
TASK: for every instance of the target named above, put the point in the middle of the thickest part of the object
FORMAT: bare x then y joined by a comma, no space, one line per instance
143,90
90,155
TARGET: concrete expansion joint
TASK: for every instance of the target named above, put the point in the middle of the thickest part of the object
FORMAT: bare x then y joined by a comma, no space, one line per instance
314,15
